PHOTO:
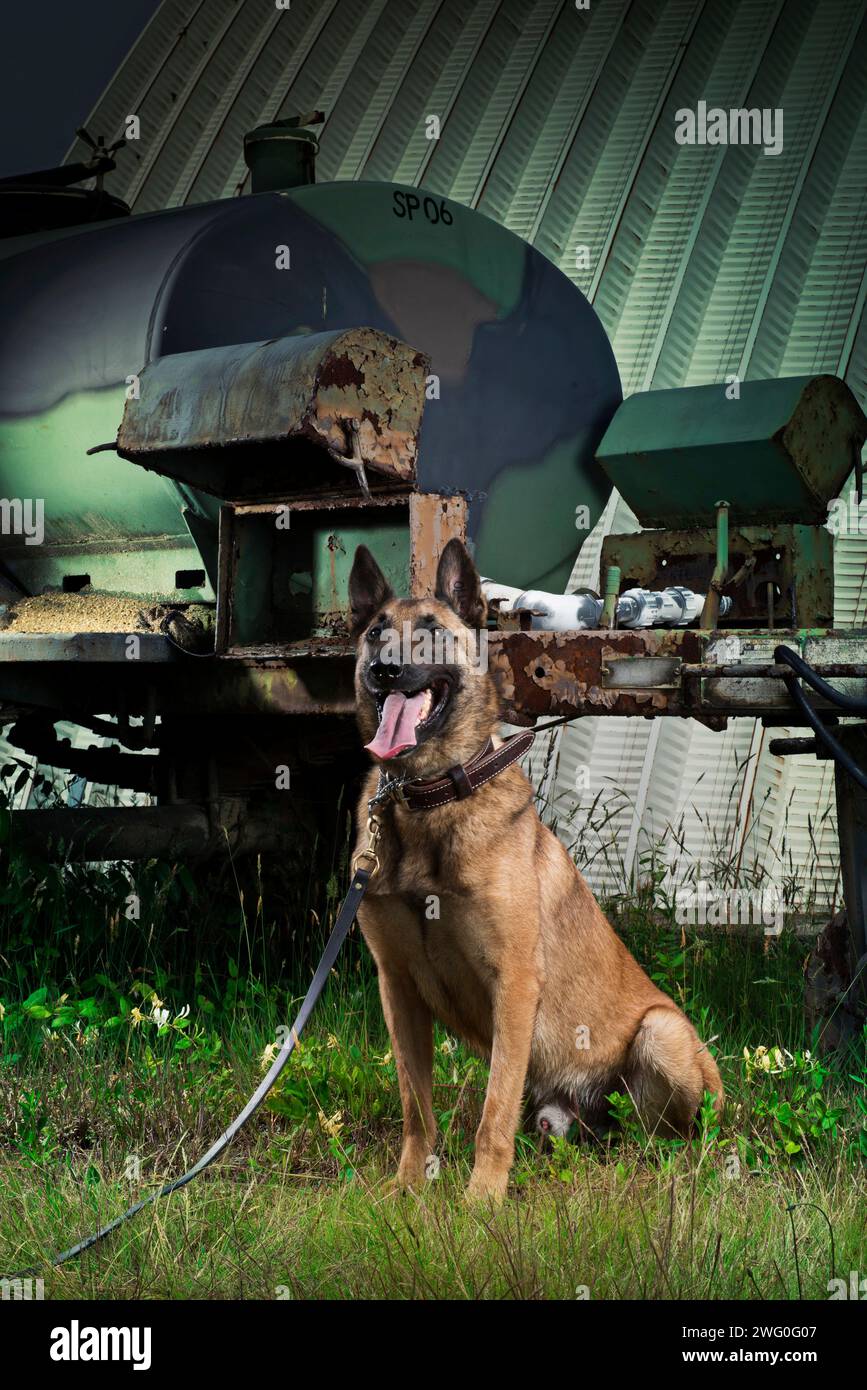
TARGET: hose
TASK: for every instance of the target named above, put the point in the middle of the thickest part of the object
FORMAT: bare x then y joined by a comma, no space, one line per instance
837,751
786,656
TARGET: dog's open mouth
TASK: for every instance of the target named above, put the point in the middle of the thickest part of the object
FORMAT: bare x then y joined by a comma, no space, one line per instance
406,718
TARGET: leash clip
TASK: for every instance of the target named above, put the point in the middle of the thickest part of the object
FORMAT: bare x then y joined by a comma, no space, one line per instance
374,830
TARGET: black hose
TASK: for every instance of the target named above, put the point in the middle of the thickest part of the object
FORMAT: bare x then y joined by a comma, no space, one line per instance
837,751
821,687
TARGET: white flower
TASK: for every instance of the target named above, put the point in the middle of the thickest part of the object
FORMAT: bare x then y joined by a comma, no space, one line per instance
332,1126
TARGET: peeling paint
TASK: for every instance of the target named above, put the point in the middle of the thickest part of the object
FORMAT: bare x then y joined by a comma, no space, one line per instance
196,409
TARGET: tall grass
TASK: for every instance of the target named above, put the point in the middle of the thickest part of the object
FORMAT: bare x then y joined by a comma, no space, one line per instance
128,1042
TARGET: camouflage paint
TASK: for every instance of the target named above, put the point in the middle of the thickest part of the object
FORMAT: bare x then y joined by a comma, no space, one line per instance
527,379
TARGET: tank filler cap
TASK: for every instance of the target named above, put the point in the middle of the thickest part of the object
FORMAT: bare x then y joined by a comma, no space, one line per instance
283,153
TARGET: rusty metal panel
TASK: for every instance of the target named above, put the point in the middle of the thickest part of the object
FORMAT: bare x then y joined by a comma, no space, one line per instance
433,521
559,673
796,560
284,567
221,418
661,671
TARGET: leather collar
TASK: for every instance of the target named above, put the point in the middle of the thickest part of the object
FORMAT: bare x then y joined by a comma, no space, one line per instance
458,782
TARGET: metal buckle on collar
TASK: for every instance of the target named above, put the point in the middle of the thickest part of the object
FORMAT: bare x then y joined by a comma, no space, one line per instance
389,789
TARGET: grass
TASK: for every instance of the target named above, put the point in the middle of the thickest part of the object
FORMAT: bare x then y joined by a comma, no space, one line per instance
619,1231
128,1042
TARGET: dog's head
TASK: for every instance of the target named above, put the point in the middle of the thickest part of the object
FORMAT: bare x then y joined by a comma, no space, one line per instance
425,701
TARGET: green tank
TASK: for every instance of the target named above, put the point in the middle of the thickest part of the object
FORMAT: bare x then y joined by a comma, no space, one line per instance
522,380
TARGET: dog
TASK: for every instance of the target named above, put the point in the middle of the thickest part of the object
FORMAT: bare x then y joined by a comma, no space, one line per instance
475,914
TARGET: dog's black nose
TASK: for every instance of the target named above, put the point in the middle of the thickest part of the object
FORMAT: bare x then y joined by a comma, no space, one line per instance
384,671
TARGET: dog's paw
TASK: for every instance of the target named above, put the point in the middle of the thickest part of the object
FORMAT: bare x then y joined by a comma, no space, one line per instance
416,1169
410,1177
394,1188
486,1189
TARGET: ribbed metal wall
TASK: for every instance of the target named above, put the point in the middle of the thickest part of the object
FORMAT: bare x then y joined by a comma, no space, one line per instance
703,260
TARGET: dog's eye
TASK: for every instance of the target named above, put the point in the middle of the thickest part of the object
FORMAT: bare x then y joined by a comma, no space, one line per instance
374,634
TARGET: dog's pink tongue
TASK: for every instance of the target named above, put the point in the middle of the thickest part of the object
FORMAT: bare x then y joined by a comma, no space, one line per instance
400,715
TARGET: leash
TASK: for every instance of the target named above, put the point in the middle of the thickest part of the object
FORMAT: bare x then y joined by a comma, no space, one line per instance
487,764
345,917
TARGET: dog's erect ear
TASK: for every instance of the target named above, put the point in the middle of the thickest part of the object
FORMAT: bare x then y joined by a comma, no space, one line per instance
459,586
368,590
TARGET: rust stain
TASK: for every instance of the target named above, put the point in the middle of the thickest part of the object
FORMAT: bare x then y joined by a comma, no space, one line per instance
339,370
433,521
192,405
541,674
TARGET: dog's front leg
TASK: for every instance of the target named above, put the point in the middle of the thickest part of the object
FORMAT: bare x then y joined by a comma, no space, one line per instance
516,1000
410,1027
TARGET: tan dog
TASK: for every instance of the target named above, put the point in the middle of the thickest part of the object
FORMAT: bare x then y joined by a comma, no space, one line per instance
478,917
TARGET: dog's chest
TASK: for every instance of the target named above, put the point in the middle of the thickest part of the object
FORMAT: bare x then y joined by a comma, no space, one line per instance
436,922
422,860
445,949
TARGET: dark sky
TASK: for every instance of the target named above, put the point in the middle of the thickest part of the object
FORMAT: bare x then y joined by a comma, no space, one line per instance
59,55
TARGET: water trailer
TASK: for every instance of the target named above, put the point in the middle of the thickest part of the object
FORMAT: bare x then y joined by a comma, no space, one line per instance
204,410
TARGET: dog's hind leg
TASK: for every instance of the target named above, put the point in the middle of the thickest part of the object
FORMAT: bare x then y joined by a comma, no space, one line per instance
668,1070
410,1027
